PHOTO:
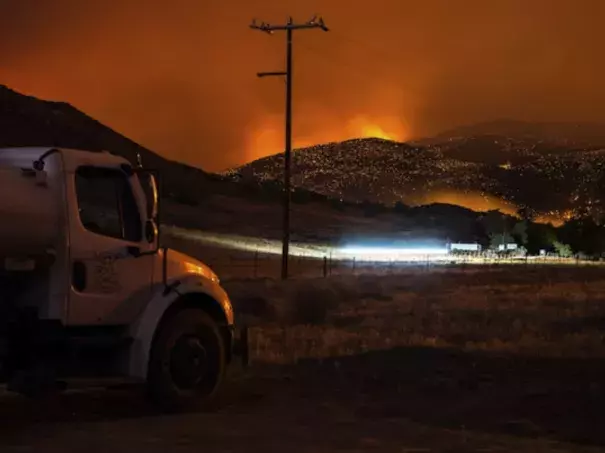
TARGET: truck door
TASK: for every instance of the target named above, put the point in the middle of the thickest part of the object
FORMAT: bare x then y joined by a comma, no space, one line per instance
109,283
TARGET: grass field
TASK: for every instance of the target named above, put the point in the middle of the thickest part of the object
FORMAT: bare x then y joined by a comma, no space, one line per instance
476,359
555,312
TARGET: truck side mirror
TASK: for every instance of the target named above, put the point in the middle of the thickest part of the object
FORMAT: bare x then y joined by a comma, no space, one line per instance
149,183
150,187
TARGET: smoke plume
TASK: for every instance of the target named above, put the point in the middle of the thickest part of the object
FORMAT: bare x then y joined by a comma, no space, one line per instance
179,76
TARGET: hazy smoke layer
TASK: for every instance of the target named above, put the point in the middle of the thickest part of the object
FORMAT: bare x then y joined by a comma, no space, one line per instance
179,76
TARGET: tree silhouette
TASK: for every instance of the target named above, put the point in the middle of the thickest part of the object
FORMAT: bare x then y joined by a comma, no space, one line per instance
584,235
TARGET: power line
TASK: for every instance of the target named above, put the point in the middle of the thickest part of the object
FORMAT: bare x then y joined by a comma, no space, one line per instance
289,27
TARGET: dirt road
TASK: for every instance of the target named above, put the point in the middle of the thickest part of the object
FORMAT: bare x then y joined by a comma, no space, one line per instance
401,400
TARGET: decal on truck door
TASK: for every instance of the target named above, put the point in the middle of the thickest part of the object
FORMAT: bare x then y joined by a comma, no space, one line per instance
106,279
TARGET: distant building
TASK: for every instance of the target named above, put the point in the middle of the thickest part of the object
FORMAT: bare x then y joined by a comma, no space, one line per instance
465,247
507,247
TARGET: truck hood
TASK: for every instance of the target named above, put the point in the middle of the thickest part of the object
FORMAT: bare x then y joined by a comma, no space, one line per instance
181,263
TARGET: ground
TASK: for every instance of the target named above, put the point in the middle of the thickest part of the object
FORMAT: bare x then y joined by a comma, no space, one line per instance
473,359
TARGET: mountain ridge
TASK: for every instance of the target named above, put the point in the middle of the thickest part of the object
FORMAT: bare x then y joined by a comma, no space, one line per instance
29,121
548,178
570,132
359,171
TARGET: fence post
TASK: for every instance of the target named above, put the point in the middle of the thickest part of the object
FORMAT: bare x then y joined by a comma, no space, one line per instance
325,266
256,263
354,264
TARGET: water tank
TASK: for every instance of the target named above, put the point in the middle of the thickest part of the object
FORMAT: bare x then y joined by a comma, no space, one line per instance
29,213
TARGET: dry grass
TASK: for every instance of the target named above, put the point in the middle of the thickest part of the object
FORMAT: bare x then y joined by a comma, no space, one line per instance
515,352
545,312
444,361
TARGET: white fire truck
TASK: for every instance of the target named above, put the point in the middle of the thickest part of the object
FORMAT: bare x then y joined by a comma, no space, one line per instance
87,290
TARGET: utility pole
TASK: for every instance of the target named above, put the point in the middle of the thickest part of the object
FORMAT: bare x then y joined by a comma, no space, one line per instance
315,22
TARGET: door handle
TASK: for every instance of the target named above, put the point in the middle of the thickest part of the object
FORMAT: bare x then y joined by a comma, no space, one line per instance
133,250
78,276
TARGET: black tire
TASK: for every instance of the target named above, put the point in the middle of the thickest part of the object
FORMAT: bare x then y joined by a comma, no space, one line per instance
187,362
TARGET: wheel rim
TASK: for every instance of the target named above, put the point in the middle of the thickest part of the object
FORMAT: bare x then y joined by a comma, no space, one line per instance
189,362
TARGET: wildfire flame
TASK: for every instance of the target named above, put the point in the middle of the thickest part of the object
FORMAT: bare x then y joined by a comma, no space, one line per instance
375,131
385,128
268,139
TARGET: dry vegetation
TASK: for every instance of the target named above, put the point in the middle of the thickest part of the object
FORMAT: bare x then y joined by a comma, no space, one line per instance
482,359
554,312
513,351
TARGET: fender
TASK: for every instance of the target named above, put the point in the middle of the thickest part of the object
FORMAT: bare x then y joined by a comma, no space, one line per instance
143,330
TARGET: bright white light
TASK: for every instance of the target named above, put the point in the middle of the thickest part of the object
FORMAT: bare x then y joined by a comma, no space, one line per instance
357,252
391,253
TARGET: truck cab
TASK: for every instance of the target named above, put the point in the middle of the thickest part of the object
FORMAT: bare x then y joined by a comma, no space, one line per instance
86,289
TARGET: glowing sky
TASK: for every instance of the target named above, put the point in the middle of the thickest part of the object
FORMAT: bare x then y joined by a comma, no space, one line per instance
179,76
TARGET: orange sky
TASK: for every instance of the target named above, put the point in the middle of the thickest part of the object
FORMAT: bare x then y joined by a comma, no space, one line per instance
179,76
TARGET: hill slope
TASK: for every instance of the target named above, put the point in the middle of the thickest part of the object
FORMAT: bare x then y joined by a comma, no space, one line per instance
547,177
29,121
559,133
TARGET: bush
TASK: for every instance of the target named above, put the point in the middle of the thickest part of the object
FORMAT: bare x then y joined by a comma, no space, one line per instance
295,301
310,302
370,287
254,300
256,306
563,250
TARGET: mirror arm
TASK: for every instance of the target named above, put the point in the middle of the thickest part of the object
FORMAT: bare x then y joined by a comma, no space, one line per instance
135,251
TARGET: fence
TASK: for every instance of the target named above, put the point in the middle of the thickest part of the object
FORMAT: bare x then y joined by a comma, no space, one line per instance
231,263
259,265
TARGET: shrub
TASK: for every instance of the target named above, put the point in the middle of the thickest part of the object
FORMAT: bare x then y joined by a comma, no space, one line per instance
256,306
253,299
310,302
297,301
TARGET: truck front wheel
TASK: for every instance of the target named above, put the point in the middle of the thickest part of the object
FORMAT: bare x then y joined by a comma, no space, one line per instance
187,361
